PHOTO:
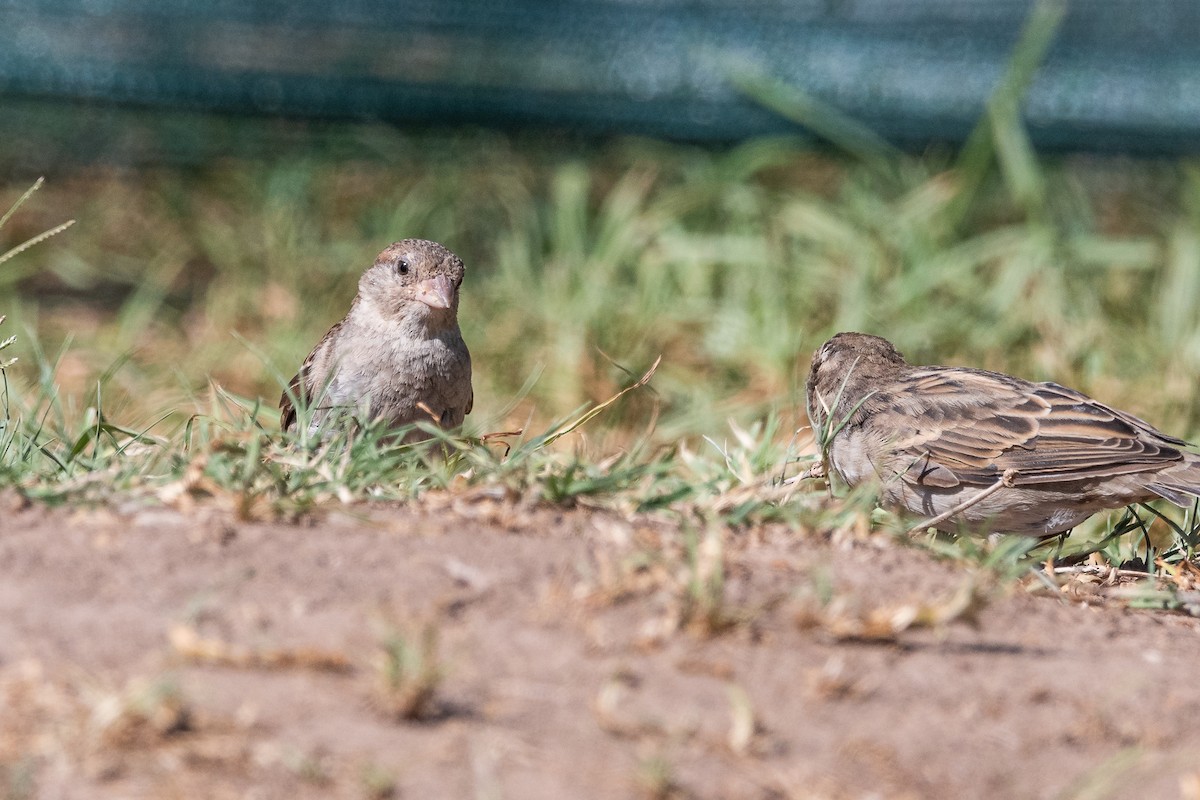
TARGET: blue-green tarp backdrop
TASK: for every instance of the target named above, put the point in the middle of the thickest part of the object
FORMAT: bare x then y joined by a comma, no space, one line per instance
1121,74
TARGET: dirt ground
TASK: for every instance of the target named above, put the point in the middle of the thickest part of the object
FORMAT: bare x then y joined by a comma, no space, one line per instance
156,654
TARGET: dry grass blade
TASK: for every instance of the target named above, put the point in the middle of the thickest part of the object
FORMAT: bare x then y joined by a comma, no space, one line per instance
41,237
886,623
21,201
189,644
598,409
8,342
1004,481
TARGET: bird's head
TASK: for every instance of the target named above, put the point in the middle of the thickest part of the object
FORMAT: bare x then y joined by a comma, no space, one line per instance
860,353
846,368
417,280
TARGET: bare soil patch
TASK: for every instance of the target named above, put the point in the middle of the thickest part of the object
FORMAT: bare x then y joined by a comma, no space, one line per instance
157,654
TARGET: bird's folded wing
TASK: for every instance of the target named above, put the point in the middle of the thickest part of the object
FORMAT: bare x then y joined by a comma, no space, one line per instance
287,410
971,426
310,380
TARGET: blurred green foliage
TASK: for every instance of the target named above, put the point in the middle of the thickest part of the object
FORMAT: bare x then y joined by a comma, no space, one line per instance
587,260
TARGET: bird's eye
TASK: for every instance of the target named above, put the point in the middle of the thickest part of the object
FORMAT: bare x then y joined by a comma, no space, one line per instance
403,266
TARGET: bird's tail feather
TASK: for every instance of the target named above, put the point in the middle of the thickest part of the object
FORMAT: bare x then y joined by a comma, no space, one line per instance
1179,484
1179,495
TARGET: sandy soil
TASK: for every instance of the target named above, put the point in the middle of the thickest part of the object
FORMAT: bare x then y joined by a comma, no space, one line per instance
156,654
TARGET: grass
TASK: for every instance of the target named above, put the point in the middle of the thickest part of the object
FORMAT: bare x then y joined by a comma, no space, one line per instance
154,337
408,673
145,710
585,267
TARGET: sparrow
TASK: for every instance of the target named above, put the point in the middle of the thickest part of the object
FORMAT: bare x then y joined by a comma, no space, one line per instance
984,451
398,356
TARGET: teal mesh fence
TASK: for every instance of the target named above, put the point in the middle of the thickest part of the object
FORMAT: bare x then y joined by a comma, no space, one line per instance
1119,74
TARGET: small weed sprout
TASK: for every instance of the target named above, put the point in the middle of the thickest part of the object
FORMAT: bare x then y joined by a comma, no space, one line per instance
703,607
409,673
18,781
743,724
656,779
377,782
17,446
144,712
14,251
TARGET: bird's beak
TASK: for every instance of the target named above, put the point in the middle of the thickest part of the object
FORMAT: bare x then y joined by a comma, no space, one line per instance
436,292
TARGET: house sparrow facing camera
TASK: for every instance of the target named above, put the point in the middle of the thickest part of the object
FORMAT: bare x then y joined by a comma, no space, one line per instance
398,355
1041,457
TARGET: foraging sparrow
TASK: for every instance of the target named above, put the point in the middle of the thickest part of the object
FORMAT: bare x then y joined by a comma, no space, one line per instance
1040,457
398,355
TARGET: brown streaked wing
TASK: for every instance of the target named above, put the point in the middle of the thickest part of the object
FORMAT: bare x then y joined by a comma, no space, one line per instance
308,377
287,411
979,424
1129,419
962,419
